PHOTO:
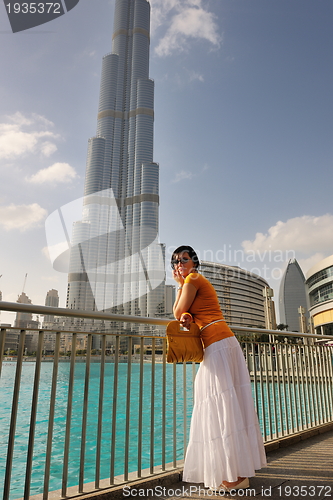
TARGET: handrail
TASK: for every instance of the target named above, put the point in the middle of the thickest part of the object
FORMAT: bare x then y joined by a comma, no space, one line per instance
105,316
78,313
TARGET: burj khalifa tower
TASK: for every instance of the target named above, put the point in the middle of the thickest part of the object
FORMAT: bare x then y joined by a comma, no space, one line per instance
116,260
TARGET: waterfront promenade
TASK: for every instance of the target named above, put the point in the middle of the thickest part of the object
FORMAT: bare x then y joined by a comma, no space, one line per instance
298,467
89,425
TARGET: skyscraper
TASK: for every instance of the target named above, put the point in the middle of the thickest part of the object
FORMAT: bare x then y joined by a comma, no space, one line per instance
292,296
116,261
51,300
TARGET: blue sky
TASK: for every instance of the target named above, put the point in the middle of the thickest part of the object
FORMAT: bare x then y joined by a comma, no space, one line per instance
243,131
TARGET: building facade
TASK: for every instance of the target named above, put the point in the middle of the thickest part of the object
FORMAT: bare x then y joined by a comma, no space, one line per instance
170,297
240,293
51,300
116,261
319,283
292,297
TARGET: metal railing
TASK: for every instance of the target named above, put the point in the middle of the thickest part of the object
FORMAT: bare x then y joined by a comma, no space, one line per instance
81,425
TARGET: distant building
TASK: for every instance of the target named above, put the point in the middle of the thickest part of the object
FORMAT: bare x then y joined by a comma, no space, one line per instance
31,341
11,340
319,283
51,300
240,294
170,297
23,319
292,296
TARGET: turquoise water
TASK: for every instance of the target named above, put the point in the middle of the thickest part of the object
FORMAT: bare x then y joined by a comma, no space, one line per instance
297,405
23,422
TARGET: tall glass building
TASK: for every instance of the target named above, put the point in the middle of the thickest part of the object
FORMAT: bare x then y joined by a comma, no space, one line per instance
292,296
116,261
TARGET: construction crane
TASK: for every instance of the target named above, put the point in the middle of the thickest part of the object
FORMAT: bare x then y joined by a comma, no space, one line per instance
24,282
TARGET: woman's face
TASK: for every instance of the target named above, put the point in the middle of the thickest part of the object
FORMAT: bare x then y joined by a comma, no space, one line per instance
184,264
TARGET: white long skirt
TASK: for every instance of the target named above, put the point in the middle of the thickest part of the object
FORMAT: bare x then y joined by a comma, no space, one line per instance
225,440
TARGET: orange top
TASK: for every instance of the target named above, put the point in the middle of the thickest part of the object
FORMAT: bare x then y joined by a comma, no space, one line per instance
205,309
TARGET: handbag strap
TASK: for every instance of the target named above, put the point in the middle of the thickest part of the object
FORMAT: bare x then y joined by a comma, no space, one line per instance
212,323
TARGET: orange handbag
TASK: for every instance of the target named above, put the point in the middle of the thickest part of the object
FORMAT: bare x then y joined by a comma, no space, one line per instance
184,345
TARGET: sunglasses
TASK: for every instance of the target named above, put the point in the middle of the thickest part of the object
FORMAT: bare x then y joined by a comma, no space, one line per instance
182,260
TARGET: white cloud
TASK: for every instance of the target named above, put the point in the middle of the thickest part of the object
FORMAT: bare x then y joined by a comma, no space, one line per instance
186,174
183,174
20,135
189,20
55,174
48,148
196,76
306,235
21,217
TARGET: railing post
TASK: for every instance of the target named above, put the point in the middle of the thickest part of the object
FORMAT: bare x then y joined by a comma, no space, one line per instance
51,417
114,410
85,412
2,345
140,408
164,404
128,406
68,418
11,438
184,408
152,407
174,419
269,406
33,415
100,414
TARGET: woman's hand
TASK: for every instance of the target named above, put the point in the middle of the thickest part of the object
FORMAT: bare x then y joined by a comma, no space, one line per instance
178,277
186,319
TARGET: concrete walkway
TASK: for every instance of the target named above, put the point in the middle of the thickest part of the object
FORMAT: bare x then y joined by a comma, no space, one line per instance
302,470
298,467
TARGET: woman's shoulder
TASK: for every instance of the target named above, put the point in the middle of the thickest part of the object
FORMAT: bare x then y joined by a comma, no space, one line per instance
195,279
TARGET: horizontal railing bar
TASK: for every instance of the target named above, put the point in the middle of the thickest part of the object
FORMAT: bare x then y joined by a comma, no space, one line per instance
78,313
58,311
281,333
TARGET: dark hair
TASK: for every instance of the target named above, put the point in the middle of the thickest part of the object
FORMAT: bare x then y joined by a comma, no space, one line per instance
190,251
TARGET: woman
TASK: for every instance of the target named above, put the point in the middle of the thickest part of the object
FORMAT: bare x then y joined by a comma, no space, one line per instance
225,445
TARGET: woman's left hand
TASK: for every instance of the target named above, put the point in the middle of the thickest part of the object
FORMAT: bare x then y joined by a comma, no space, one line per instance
186,319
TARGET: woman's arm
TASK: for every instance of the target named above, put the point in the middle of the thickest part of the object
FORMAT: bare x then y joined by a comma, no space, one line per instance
185,297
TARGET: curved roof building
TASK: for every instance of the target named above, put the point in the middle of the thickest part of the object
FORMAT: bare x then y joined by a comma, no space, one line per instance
240,294
319,282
